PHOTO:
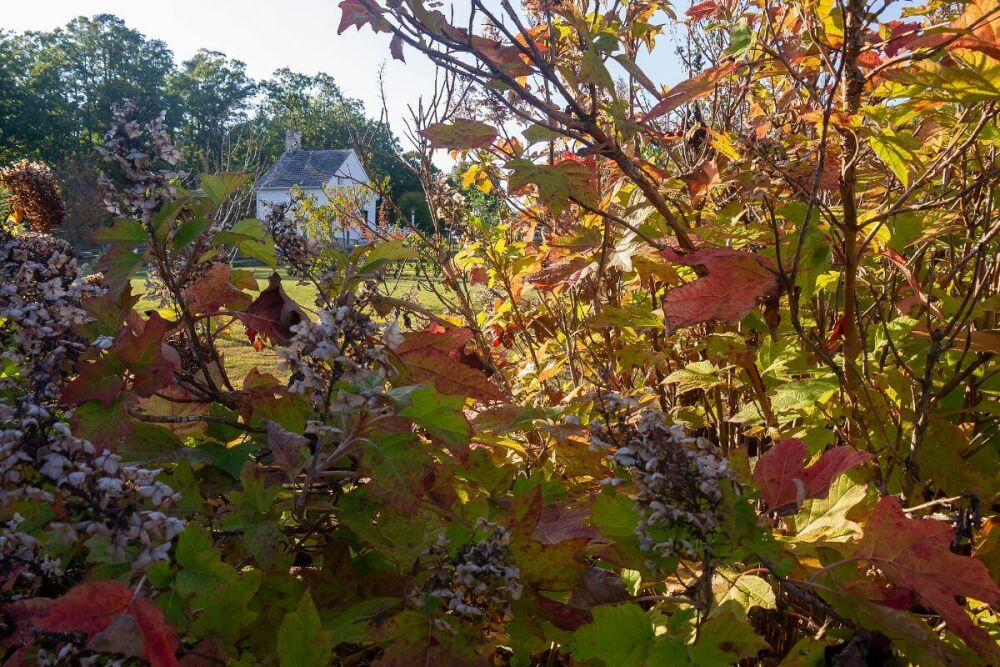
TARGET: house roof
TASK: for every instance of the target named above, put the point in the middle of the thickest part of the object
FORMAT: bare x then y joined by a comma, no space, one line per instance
303,168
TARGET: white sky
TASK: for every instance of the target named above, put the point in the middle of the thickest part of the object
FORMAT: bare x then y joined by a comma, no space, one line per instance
270,34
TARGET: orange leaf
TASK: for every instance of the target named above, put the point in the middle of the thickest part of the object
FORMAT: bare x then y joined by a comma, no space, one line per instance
690,90
89,607
448,375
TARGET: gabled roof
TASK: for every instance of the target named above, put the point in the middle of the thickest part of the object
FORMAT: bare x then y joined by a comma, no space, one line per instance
303,168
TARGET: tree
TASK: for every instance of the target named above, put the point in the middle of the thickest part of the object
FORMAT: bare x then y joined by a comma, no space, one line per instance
213,95
717,387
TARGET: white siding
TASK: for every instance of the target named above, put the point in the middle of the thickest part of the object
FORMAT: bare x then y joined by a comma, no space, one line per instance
351,173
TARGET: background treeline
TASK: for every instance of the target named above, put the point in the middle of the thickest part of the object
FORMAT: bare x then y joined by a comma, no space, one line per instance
57,88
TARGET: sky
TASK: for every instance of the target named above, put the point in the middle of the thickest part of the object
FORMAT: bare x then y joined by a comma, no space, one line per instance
270,34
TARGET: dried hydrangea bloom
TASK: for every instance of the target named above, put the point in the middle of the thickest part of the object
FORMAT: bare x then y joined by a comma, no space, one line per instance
145,155
680,480
481,580
35,199
342,346
101,502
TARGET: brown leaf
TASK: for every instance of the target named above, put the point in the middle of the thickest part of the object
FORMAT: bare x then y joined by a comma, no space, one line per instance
121,637
273,313
396,48
916,554
287,449
598,587
436,337
690,90
214,290
448,375
736,281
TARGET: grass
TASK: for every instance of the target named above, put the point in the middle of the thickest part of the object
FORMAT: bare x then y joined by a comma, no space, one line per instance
239,354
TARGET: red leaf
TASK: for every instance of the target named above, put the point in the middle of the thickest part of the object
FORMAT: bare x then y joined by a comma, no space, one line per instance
561,615
479,276
140,347
702,10
785,481
902,33
89,607
690,90
158,639
95,379
448,375
735,282
273,313
353,13
915,554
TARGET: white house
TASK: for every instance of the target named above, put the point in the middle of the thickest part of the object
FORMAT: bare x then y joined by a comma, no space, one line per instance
317,173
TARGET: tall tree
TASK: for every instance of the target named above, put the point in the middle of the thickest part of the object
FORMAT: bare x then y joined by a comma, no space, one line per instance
213,94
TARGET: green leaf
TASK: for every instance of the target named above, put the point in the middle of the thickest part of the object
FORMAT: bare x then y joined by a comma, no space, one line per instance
636,317
383,253
189,230
593,70
224,610
220,186
353,625
460,134
442,416
825,519
725,640
201,566
556,184
898,151
302,641
696,375
125,232
619,636
803,394
740,39
746,590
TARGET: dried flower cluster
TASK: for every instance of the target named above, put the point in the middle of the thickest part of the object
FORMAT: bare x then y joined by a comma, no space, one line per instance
343,346
138,149
481,580
679,479
293,247
447,203
78,493
35,198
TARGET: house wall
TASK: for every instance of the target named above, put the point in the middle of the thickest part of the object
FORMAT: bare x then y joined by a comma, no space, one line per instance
351,173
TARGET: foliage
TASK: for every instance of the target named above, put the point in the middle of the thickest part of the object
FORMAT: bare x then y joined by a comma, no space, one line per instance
717,386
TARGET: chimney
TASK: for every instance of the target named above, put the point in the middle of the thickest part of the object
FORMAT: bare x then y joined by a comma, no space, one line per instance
293,141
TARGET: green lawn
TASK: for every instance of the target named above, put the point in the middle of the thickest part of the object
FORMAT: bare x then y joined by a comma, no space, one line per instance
239,354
